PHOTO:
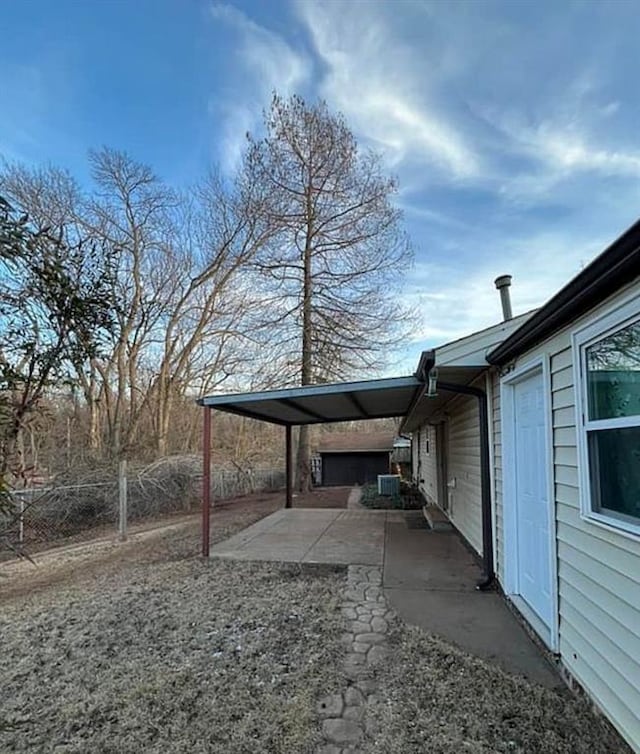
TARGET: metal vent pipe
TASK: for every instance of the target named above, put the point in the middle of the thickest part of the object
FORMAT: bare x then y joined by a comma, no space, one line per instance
503,284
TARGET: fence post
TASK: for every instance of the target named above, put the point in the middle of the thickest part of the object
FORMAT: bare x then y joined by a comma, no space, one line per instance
122,495
21,524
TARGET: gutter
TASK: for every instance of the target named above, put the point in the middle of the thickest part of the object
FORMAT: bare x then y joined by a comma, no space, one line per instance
618,265
427,361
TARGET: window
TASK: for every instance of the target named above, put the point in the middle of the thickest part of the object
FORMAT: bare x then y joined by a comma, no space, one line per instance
609,419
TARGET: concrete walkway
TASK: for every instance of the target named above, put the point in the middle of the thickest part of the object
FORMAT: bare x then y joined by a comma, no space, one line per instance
429,580
428,577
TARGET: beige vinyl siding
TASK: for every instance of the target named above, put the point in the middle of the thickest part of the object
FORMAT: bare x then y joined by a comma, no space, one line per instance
427,471
598,568
463,459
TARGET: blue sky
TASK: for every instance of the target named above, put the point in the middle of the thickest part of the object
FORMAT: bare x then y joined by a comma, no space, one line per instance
512,126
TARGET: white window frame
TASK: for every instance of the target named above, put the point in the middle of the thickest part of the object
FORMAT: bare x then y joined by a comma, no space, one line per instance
623,315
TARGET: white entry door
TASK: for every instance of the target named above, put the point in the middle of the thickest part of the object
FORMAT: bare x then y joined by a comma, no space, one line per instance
531,545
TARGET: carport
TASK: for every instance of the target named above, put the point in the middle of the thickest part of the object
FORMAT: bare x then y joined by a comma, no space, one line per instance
369,399
310,404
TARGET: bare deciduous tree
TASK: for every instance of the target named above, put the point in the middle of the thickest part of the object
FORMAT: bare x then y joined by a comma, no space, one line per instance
286,273
331,271
181,292
207,317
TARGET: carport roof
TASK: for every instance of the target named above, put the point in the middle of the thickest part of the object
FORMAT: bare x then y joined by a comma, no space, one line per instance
317,404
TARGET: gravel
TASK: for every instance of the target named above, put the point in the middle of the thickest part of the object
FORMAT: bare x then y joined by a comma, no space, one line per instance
165,653
435,698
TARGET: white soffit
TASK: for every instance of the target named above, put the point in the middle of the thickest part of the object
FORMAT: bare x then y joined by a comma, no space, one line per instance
472,349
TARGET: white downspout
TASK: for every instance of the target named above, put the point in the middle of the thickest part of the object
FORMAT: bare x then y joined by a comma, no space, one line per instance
488,381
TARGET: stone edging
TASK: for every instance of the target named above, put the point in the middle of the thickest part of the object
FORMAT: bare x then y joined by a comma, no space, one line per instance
344,725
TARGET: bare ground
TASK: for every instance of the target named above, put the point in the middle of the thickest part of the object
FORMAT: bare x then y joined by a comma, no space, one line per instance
95,548
264,502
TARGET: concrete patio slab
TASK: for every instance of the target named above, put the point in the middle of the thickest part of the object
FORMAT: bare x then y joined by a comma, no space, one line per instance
354,537
306,535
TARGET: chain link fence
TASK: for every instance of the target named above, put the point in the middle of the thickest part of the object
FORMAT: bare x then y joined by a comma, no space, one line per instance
43,515
226,484
48,514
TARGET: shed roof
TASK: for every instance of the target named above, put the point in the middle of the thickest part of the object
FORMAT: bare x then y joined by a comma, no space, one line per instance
356,442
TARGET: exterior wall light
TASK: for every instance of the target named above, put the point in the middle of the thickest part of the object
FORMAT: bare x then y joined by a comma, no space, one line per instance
432,388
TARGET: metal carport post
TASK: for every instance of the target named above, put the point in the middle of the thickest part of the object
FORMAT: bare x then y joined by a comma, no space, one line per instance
206,476
206,479
289,467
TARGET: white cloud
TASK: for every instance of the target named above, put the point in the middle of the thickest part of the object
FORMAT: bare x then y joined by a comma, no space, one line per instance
611,108
274,62
568,146
572,151
413,210
533,177
569,135
264,62
380,86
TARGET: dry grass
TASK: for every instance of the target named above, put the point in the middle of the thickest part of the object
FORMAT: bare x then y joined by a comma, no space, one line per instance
435,698
143,647
160,652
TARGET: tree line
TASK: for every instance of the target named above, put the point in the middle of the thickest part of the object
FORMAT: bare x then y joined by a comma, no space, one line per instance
123,300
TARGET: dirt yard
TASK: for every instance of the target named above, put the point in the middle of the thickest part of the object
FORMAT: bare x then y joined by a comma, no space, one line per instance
95,547
113,648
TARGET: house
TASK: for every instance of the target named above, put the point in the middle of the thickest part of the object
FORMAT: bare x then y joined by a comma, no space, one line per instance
349,458
528,438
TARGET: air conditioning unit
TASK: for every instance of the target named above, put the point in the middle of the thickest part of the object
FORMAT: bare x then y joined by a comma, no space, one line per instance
389,484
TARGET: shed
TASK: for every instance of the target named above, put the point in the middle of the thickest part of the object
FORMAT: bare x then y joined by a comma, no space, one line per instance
349,458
